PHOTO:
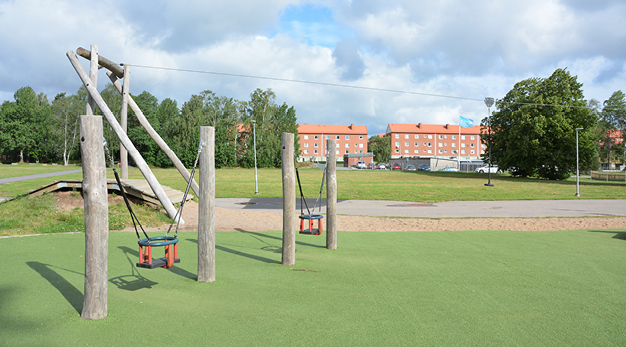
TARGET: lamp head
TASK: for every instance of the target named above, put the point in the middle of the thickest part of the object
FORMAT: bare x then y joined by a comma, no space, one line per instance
489,102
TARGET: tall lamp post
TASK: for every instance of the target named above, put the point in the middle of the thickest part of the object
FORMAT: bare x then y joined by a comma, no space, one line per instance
489,103
577,172
256,182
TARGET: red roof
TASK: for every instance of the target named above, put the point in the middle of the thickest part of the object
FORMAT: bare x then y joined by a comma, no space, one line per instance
332,129
430,129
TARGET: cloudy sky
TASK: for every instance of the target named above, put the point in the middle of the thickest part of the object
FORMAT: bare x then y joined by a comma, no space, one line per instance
461,51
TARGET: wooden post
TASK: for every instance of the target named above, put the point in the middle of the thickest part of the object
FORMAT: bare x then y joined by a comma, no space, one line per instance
154,135
96,218
124,122
93,76
331,195
137,158
206,208
289,201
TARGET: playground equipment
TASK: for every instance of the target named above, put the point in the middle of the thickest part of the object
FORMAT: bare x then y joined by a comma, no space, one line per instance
95,191
311,217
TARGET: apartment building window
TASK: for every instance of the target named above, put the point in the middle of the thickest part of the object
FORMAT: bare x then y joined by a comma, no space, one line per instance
440,144
361,151
417,144
454,151
397,136
416,151
347,137
430,137
360,145
406,151
417,136
337,152
440,137
361,137
430,151
463,145
472,151
306,144
337,146
347,151
397,144
472,144
397,151
315,144
440,151
347,145
337,137
430,144
453,144
306,151
327,137
406,144
462,151
316,137
462,137
315,151
454,137
306,137
472,137
406,136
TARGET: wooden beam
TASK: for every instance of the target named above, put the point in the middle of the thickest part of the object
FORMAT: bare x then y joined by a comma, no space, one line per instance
134,153
124,123
289,200
104,62
96,218
93,76
331,195
206,207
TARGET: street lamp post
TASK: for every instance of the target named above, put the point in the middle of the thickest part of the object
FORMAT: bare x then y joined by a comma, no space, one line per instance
577,171
256,182
489,103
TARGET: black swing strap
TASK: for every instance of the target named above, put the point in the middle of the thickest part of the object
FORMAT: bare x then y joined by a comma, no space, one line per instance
302,198
133,217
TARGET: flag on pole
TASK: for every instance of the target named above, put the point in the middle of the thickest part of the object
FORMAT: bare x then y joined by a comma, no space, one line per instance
466,122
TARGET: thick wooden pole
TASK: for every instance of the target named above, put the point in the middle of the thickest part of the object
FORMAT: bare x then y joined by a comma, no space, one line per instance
93,76
155,136
96,218
206,208
331,195
124,122
289,201
109,65
137,158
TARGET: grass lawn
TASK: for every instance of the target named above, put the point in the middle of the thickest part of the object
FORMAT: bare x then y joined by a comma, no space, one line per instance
382,289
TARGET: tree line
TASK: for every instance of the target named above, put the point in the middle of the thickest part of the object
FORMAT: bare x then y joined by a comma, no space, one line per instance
34,129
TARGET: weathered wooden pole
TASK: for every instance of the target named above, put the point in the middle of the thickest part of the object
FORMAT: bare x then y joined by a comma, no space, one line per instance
124,122
331,195
206,208
137,158
96,218
154,135
289,201
93,76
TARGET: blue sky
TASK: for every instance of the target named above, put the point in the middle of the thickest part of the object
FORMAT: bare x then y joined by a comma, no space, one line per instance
453,48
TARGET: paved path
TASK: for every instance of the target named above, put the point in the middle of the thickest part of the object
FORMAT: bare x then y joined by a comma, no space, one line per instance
451,209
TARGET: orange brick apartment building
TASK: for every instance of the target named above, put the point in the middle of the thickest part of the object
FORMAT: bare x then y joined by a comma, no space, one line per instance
434,140
351,139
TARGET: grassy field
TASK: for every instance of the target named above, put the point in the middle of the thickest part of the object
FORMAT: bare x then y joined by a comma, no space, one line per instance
428,187
466,288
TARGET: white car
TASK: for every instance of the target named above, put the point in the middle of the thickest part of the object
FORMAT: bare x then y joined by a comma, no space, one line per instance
361,165
485,169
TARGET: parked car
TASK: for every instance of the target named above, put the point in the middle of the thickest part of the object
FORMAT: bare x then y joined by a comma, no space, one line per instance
396,166
423,167
410,168
361,165
449,168
371,166
485,169
382,166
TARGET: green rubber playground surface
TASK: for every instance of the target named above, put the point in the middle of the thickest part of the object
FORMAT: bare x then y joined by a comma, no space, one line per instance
507,288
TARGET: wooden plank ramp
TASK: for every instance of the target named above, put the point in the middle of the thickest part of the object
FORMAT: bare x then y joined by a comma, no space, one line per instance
137,188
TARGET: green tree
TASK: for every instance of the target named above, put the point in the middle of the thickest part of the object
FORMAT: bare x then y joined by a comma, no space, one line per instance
613,124
381,147
533,131
148,104
65,123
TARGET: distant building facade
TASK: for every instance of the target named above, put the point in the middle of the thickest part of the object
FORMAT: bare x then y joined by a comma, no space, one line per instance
350,139
435,140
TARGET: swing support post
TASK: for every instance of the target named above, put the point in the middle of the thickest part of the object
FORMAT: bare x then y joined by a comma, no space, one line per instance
206,207
331,195
289,200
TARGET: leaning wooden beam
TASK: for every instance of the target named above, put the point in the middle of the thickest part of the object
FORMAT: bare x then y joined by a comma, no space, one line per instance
155,136
106,63
124,123
132,151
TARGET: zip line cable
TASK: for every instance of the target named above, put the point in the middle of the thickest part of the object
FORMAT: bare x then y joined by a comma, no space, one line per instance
344,86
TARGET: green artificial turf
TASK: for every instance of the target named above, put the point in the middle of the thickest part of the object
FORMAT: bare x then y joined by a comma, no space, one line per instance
451,288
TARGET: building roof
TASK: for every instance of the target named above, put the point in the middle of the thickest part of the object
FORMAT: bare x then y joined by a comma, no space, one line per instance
420,128
332,129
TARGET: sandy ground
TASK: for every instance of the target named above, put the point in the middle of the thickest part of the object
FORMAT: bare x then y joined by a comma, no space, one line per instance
231,219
